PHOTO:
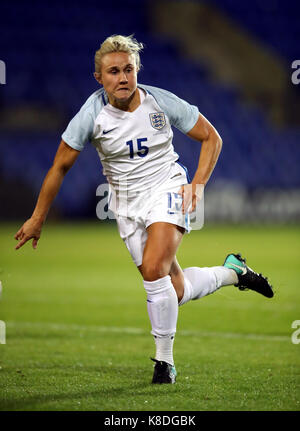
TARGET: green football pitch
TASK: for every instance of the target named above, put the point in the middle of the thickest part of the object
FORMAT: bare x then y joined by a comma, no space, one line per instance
78,334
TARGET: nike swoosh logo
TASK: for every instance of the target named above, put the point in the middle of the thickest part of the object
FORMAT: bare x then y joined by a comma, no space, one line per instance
175,176
107,131
243,269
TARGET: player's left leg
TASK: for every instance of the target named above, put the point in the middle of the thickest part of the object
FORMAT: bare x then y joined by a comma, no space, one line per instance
247,278
194,282
199,282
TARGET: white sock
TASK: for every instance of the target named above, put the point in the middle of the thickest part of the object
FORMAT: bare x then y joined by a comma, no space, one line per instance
199,282
225,276
162,305
164,348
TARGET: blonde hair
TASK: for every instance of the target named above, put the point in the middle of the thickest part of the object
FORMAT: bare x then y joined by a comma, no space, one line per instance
118,43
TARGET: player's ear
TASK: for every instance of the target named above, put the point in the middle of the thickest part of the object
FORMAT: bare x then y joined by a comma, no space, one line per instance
137,67
97,76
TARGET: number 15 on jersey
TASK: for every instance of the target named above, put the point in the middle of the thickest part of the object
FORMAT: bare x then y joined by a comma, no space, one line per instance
142,150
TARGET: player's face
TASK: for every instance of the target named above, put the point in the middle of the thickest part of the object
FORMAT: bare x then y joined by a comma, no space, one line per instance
119,76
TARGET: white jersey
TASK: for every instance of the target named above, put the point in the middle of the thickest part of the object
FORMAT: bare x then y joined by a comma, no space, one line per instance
135,148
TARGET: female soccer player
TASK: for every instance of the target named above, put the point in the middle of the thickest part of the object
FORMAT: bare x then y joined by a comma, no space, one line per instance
130,126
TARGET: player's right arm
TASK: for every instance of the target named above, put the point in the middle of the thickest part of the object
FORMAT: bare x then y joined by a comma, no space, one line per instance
63,161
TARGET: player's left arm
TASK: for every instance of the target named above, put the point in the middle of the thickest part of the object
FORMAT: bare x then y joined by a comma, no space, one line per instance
203,131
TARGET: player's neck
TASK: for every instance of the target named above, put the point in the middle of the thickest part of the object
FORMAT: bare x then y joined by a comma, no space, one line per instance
128,105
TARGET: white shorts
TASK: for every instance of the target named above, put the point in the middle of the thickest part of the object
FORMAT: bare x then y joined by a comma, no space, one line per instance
160,205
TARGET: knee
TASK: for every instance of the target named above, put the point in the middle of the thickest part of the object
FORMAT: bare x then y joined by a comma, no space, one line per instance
154,270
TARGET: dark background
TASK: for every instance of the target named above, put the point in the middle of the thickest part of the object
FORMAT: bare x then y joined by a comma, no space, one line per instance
232,59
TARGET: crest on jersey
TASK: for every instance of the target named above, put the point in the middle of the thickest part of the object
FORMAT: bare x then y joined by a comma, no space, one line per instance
157,120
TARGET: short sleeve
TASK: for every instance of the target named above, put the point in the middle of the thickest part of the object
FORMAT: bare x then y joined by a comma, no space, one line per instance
79,130
182,115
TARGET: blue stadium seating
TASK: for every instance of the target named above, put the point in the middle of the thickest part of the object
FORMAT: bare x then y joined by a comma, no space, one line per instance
49,49
274,22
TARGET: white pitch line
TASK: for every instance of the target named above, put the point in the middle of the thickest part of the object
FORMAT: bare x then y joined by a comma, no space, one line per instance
139,331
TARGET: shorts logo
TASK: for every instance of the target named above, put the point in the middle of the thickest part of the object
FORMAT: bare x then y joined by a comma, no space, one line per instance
157,120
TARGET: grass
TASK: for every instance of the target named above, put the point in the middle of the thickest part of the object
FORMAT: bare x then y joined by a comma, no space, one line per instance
78,333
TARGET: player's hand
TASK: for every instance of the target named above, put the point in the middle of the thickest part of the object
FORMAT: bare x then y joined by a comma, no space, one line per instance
31,229
191,194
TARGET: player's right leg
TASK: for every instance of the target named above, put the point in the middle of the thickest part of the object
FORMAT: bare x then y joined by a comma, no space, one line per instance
162,302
